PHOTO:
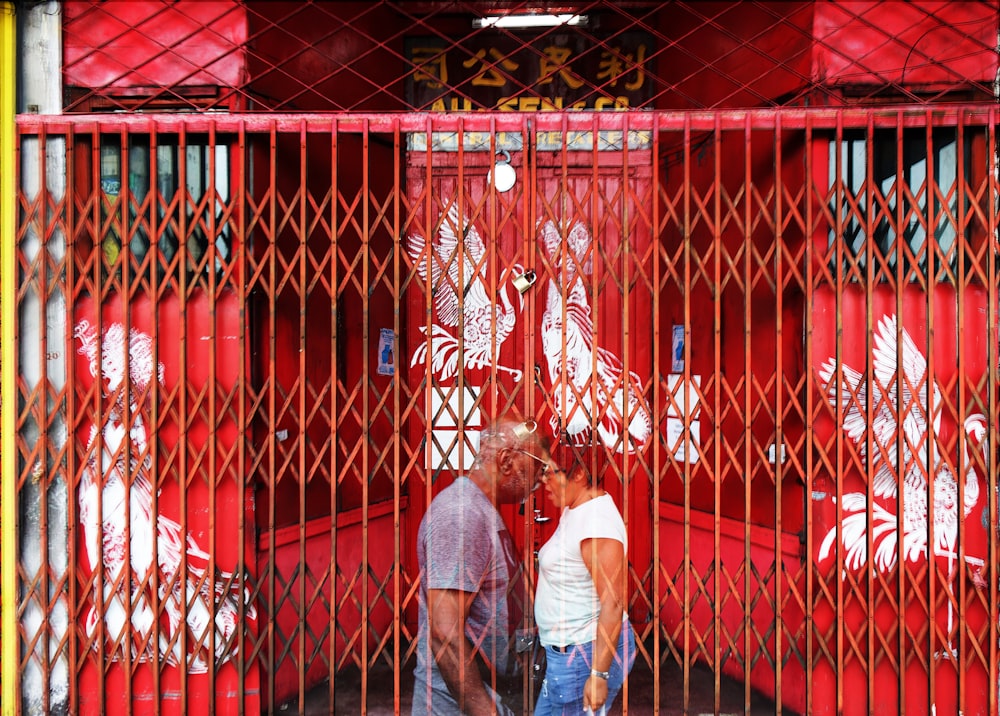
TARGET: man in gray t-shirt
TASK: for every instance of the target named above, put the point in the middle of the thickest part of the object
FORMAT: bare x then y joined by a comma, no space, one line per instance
466,560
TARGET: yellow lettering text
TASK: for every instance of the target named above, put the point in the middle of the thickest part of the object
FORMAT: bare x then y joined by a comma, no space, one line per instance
528,104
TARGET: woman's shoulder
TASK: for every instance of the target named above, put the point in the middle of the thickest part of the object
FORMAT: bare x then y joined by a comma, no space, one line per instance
600,513
605,503
600,510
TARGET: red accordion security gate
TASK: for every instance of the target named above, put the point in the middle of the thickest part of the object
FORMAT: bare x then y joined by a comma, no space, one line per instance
792,318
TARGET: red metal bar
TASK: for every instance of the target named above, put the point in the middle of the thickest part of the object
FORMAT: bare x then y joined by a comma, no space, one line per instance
353,123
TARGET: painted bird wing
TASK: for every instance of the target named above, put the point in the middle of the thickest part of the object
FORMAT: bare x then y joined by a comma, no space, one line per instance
909,392
854,395
467,282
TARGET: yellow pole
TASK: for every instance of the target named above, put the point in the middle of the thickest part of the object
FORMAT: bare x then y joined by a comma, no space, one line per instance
8,493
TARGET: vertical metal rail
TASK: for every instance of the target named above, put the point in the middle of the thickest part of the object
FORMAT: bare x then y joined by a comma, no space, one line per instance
899,279
993,373
210,203
120,268
243,479
657,271
269,387
154,409
838,255
298,263
992,241
72,462
186,224
929,381
809,459
746,414
957,631
93,401
366,413
626,250
717,623
335,339
39,276
532,531
779,376
397,402
429,471
686,561
870,450
8,408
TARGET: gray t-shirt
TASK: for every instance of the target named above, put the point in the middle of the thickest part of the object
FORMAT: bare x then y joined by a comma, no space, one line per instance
463,544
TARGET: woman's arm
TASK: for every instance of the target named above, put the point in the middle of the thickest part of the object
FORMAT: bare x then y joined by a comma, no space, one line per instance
605,560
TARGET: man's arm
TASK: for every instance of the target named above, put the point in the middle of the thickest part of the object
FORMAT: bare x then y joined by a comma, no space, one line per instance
447,611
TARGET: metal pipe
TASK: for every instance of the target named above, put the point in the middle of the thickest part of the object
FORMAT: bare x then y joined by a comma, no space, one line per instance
8,491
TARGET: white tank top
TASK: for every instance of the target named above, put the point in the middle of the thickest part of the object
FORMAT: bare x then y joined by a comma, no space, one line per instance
566,603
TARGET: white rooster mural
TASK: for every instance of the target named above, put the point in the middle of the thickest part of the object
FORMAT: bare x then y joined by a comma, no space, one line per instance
588,382
125,546
487,320
900,463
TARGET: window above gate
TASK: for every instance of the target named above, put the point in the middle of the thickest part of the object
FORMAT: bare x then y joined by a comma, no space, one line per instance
169,189
894,189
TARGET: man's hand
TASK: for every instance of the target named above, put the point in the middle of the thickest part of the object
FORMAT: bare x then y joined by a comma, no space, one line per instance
447,611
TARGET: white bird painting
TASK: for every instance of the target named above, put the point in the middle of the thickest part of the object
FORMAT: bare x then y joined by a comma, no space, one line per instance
459,283
588,382
904,454
140,551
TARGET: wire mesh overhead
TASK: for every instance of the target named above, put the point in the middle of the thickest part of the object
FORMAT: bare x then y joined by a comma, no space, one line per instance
397,55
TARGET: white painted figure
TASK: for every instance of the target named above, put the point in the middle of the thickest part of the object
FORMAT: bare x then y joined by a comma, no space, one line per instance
487,320
587,381
890,415
130,575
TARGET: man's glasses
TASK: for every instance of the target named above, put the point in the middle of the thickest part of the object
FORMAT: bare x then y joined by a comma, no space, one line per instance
547,468
523,430
545,463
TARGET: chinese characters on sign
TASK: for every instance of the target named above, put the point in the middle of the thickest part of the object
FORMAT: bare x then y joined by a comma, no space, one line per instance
558,72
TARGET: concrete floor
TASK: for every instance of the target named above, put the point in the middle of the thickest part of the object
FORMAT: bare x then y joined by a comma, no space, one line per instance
701,697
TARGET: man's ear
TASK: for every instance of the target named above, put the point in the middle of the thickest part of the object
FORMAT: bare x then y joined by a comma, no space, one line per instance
505,460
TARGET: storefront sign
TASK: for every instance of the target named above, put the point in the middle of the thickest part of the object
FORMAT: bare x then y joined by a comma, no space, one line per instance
557,72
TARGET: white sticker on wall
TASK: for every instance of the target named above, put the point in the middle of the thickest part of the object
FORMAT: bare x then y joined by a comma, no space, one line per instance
683,445
686,403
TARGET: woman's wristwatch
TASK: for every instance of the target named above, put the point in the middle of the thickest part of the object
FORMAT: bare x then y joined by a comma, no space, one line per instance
599,674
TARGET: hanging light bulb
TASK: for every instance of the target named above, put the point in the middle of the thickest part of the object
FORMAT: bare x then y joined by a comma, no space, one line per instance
502,176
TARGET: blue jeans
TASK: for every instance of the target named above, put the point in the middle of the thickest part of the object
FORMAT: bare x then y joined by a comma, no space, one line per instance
567,672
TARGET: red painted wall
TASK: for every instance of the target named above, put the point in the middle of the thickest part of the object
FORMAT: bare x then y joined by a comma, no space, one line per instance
744,315
142,43
316,476
920,44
